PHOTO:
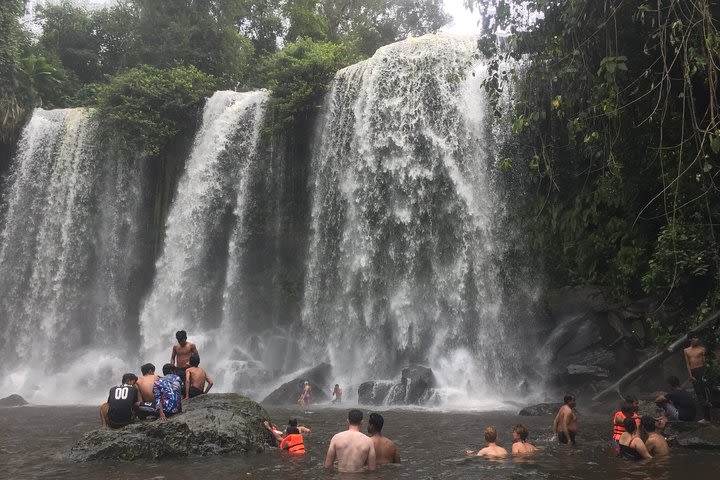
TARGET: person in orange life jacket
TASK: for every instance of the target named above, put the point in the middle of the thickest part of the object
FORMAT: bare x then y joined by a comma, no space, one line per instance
293,442
627,409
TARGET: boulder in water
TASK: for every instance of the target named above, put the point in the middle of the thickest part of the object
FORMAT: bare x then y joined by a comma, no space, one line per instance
289,392
13,400
540,410
213,424
703,437
419,383
373,393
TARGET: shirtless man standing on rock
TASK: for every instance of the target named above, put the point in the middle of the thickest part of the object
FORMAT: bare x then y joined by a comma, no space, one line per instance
385,450
565,423
352,449
695,360
181,352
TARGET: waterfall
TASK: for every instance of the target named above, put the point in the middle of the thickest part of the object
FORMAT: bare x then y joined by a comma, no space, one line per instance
404,255
68,253
198,284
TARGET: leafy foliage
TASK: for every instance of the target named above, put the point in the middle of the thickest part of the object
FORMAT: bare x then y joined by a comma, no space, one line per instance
146,107
618,113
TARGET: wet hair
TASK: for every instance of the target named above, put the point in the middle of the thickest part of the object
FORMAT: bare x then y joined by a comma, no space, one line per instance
648,423
355,417
521,431
693,335
168,368
627,408
377,421
490,434
147,368
673,381
569,398
194,360
292,430
292,422
630,425
181,335
337,386
128,377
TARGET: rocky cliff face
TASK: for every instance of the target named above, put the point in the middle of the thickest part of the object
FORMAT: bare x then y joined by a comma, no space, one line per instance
214,424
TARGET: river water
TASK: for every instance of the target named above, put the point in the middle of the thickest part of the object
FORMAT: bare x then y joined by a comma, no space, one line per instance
35,441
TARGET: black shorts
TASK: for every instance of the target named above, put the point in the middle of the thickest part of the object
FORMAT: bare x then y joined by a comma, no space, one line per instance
563,439
194,392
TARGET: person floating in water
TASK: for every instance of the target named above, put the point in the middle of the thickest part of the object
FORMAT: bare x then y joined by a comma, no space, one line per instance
385,449
167,392
493,450
695,360
122,401
196,378
352,449
565,422
677,403
181,353
631,445
145,385
337,394
655,443
306,395
280,434
520,444
293,441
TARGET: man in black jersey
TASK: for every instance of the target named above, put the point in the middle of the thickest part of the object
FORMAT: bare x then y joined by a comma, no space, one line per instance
122,401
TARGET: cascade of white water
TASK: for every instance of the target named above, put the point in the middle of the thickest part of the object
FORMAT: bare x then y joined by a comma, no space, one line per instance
196,283
403,259
66,253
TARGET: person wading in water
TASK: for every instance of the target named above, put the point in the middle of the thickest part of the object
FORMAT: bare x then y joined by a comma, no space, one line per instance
565,423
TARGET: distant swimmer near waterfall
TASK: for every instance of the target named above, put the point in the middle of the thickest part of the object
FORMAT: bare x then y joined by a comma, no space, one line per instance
117,412
493,450
351,448
385,449
337,394
565,423
196,378
181,353
306,395
521,445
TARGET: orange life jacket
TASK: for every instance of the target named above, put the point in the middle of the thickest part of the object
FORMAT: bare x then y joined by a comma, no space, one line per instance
618,430
294,443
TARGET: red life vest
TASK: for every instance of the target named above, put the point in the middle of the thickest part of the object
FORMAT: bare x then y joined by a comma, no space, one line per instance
619,429
294,443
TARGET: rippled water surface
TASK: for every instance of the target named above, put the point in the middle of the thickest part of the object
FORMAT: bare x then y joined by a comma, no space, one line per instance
34,442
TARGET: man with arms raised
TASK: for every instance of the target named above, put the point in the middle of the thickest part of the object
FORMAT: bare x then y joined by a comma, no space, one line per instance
385,449
195,379
181,353
695,359
352,449
565,423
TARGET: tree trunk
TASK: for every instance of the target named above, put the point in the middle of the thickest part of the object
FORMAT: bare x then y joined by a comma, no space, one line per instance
655,359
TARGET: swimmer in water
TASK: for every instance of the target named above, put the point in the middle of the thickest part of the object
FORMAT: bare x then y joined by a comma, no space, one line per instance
385,449
520,445
565,422
352,449
493,450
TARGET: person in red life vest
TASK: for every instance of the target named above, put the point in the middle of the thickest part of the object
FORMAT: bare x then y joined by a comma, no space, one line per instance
627,409
293,442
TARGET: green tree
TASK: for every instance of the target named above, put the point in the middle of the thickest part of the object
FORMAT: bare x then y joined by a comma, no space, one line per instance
13,42
146,108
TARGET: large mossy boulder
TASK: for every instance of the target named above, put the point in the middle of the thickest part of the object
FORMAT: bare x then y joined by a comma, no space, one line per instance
289,392
373,393
13,400
213,424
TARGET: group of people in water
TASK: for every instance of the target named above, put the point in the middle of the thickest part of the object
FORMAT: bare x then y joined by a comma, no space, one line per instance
151,396
633,437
